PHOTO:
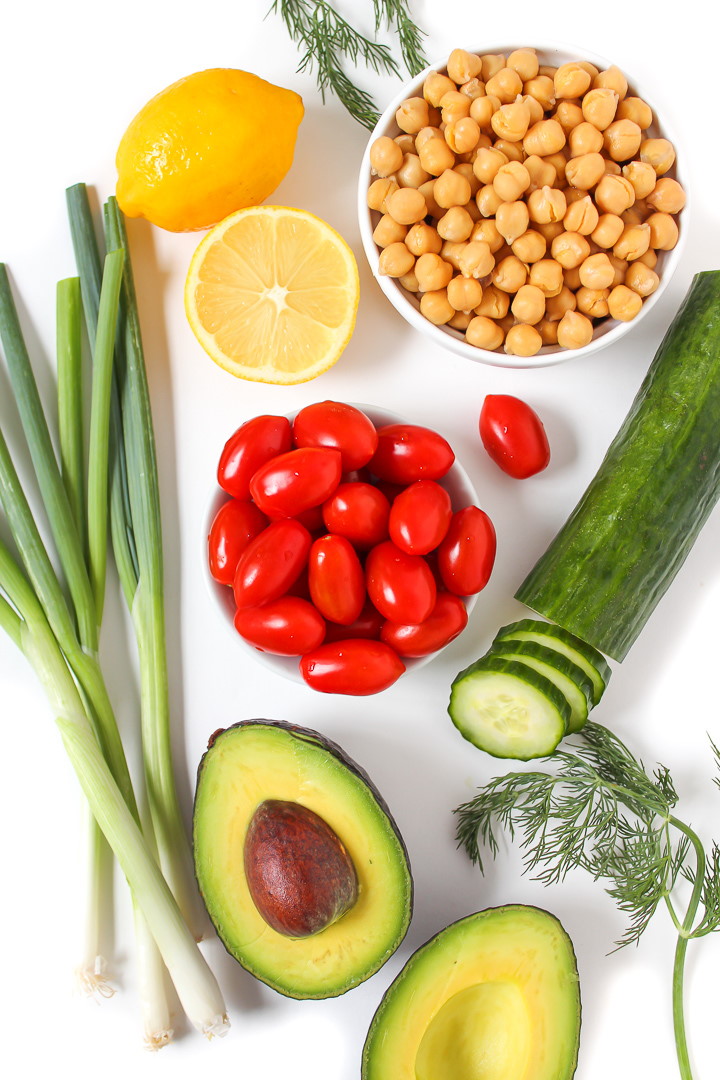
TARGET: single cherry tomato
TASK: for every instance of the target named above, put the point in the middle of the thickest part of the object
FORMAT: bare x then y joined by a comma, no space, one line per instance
271,562
419,517
287,626
514,436
446,620
254,443
354,666
401,586
293,482
407,452
466,556
233,527
336,579
368,624
359,512
340,426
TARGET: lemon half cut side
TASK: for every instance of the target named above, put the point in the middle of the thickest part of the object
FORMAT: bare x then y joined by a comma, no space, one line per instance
272,294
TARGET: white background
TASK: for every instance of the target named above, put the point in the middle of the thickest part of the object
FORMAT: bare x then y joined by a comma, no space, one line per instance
72,76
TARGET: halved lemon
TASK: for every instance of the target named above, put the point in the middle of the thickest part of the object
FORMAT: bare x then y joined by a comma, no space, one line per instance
272,294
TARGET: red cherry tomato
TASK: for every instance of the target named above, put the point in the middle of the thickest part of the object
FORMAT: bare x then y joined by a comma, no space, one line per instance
254,443
419,517
407,452
514,436
293,482
233,527
336,579
340,426
466,556
359,512
353,666
368,624
271,563
287,626
447,619
401,586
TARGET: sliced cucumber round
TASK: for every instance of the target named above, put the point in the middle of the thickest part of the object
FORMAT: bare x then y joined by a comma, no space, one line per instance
508,709
592,662
568,677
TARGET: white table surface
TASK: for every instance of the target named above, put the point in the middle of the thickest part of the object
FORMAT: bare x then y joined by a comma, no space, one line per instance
71,78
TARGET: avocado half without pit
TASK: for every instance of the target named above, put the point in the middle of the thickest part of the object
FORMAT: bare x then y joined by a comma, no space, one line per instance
300,864
494,996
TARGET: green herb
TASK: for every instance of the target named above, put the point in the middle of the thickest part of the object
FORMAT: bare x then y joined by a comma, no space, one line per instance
601,811
328,40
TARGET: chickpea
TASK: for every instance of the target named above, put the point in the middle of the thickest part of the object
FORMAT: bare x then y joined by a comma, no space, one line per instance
409,282
585,139
487,232
547,329
436,86
596,272
395,260
637,110
511,181
663,231
505,84
388,231
547,204
571,81
513,151
509,274
472,209
659,153
620,267
463,66
482,109
547,275
614,194
582,216
512,220
548,70
451,252
559,163
633,243
487,162
571,278
436,307
612,168
570,249
495,303
592,302
649,259
436,156
667,196
530,247
412,115
386,157
411,173
426,133
487,200
622,139
608,230
476,260
528,306
484,333
525,62
427,190
642,176
636,214
585,171
491,64
623,303
573,195
422,238
455,106
406,206
612,79
541,172
574,330
542,88
511,121
558,305
536,110
462,136
406,143
473,88
522,340
455,225
641,279
379,192
464,293
550,229
569,116
451,189
465,169
543,138
599,107
461,320
590,68
433,272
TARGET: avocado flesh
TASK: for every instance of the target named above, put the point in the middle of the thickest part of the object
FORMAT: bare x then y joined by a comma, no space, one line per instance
494,996
256,761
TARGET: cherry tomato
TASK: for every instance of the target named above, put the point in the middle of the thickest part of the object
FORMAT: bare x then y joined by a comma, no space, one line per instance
419,517
271,562
466,556
254,443
446,620
359,512
353,666
337,425
293,482
407,452
368,624
514,436
233,527
287,626
336,579
401,586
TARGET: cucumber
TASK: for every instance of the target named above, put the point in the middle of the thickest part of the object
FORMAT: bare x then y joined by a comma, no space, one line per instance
570,679
553,636
624,542
508,709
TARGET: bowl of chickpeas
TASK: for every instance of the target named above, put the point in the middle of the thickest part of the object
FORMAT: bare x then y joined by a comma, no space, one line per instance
521,206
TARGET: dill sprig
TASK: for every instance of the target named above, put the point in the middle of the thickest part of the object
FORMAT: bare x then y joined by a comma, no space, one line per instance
328,40
601,811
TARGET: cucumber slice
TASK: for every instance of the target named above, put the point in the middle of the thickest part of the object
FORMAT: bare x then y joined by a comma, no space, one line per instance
508,709
592,662
570,679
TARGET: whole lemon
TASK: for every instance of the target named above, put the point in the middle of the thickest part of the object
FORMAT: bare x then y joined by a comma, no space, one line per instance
212,143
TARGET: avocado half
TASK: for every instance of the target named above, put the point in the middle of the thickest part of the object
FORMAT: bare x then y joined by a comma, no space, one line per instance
494,996
249,765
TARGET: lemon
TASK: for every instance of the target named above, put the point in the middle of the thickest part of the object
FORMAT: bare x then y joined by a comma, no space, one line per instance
211,143
272,294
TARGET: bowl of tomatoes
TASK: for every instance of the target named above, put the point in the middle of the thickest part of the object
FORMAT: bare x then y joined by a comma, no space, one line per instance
344,545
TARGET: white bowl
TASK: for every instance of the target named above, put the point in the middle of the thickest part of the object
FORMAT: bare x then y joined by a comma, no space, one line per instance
462,493
607,332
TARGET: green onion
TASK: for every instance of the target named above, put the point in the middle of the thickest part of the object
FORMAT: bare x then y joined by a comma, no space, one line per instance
70,397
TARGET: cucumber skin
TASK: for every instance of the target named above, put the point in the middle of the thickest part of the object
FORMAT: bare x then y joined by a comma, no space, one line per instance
630,533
